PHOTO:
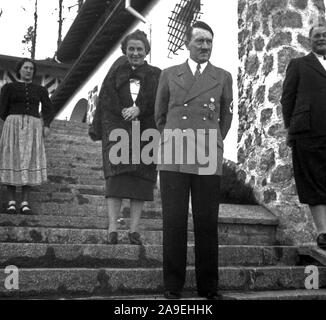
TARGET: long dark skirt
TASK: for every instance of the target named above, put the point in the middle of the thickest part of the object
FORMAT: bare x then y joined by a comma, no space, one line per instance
309,165
129,187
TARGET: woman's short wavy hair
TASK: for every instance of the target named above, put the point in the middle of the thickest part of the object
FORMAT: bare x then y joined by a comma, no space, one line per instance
21,62
136,35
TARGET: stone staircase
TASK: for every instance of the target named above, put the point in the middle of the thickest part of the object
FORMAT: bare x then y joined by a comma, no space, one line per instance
62,252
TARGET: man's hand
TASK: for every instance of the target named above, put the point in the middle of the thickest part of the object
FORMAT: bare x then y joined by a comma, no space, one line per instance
46,131
131,113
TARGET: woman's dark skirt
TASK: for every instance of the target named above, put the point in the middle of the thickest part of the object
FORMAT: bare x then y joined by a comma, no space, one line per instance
129,187
309,165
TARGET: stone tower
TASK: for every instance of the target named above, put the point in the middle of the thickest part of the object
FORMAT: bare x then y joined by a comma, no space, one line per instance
271,32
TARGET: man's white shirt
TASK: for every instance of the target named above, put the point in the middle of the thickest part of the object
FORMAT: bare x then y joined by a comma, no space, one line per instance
193,66
321,59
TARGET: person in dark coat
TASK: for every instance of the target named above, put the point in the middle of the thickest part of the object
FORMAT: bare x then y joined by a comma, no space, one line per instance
22,151
126,103
194,100
303,105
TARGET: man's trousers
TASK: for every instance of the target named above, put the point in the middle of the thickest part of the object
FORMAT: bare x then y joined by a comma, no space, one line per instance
175,188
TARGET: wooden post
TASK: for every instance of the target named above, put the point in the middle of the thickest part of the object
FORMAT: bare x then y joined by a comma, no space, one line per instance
60,21
34,32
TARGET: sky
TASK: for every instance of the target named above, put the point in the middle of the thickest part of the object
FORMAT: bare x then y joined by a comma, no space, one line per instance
18,15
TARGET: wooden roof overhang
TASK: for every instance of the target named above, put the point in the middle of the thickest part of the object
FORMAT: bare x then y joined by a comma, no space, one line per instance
101,36
44,67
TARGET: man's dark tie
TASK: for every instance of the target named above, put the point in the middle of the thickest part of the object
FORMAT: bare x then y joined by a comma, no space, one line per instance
197,73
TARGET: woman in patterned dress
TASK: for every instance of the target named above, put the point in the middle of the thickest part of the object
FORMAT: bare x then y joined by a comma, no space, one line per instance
22,152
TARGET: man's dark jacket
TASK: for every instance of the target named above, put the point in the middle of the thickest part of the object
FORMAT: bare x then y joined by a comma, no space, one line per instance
304,98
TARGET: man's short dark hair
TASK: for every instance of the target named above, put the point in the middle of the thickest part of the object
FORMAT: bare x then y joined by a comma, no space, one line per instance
320,24
200,25
136,35
20,63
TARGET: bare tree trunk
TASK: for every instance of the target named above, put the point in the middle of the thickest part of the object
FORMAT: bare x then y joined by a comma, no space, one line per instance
35,32
60,21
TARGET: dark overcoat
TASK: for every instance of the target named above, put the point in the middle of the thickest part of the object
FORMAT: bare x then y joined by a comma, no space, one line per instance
303,98
114,96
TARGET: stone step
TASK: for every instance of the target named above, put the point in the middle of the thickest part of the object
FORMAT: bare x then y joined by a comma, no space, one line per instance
59,186
69,132
237,224
54,164
101,222
60,160
77,236
56,137
85,181
228,213
78,174
113,281
83,206
33,255
68,157
73,236
150,234
94,151
54,187
298,294
188,295
71,125
72,147
49,221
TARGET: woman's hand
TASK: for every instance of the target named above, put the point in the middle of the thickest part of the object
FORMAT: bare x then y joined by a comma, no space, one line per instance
131,113
46,131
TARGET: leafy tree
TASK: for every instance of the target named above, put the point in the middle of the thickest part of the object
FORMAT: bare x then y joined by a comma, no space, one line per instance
31,34
28,39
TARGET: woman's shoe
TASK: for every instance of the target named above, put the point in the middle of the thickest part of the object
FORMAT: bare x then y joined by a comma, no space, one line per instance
25,208
11,208
113,237
134,238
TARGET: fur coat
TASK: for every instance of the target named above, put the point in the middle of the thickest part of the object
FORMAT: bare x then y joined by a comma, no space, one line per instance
113,97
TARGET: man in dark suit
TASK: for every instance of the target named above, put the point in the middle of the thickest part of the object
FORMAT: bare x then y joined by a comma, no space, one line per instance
193,113
304,111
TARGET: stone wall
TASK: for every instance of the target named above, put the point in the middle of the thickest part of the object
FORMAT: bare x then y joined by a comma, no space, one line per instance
271,32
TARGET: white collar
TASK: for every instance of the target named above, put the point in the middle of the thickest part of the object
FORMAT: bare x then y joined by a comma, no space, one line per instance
193,65
319,56
18,80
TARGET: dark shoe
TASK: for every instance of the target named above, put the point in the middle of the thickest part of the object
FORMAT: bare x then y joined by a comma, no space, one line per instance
113,237
25,208
210,295
321,241
11,208
172,295
121,221
134,238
